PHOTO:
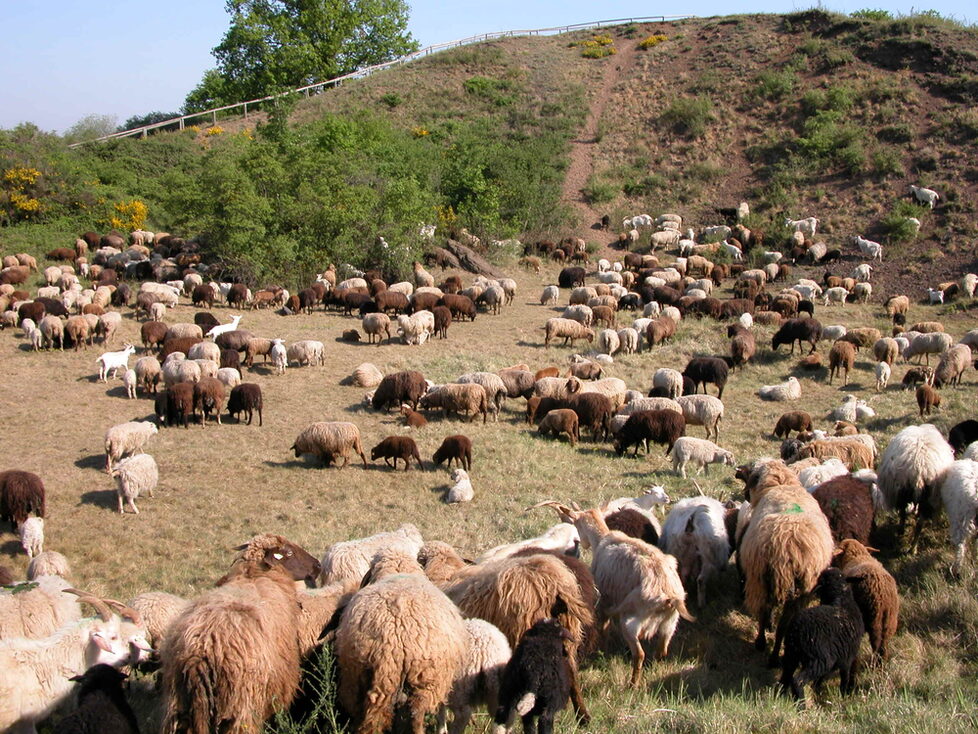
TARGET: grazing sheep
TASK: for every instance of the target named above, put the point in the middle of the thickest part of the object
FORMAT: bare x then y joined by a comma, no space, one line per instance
31,532
454,448
549,296
158,609
704,370
842,357
134,476
788,390
568,329
348,561
952,365
962,435
911,469
959,492
698,451
658,426
477,681
376,325
468,398
21,495
823,639
397,447
695,533
127,438
561,421
245,398
208,398
47,563
416,328
797,420
536,682
670,380
329,441
928,400
461,489
847,504
927,344
875,593
307,352
797,330
785,547
496,390
702,410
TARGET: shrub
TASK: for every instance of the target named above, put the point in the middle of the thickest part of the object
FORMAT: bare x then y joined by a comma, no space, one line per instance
689,116
897,225
775,85
498,92
651,41
872,14
887,162
647,186
391,99
599,192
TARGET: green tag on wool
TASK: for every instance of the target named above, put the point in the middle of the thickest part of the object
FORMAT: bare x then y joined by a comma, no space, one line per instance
795,508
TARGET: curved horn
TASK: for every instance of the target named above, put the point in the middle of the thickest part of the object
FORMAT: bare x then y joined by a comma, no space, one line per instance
563,511
698,487
85,597
576,506
126,611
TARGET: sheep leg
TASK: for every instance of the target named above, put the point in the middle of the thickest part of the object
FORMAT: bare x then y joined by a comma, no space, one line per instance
630,629
787,614
760,642
529,724
120,504
132,503
576,696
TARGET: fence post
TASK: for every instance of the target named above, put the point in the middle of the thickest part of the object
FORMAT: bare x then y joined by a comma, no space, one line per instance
213,119
246,110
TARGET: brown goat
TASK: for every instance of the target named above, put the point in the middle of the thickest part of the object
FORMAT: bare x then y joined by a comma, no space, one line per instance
928,399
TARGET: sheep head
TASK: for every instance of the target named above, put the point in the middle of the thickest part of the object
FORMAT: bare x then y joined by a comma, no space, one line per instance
267,551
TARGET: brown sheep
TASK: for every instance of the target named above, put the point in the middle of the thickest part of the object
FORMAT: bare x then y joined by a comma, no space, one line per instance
875,592
562,420
546,372
862,337
413,419
916,375
604,315
841,357
847,504
401,387
796,420
845,428
209,397
659,331
397,447
454,448
928,399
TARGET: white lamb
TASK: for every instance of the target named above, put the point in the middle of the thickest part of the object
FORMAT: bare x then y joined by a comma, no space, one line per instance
113,362
836,294
699,451
734,252
834,332
788,390
461,489
959,492
863,272
31,533
883,371
925,196
279,355
935,295
129,380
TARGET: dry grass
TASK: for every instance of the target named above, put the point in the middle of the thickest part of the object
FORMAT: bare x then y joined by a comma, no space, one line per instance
220,485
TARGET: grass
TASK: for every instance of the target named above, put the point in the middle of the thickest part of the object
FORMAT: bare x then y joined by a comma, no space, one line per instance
220,485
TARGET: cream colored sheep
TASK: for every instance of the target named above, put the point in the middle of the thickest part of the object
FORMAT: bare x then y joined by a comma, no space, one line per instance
134,476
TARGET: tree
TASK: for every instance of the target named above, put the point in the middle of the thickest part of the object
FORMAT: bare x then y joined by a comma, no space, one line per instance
274,45
91,127
149,118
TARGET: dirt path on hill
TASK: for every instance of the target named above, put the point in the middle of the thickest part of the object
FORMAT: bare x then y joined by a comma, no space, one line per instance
583,147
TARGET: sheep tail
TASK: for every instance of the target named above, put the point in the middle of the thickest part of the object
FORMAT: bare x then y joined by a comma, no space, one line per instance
199,697
680,606
526,703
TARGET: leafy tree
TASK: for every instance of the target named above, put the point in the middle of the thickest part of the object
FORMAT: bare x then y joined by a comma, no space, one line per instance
91,127
273,45
147,119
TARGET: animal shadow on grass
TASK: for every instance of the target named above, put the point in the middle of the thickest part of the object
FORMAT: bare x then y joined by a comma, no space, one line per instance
532,345
105,498
95,461
262,369
119,391
11,548
294,464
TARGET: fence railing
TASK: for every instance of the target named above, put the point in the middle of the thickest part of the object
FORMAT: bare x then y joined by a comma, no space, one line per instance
181,122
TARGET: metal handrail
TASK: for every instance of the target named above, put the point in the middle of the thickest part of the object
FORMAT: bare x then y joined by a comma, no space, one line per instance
368,70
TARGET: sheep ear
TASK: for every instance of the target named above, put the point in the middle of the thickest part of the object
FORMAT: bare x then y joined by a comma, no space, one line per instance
837,552
872,550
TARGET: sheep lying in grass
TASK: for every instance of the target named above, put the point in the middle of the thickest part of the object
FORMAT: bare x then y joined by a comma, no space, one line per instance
48,563
461,489
697,451
788,390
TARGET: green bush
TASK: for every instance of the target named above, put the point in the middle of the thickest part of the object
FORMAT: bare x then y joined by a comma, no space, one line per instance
897,225
498,92
775,85
872,14
391,99
646,186
689,116
887,162
599,192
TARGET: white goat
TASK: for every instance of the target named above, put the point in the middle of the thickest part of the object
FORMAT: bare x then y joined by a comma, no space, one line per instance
114,361
224,328
806,226
873,250
925,196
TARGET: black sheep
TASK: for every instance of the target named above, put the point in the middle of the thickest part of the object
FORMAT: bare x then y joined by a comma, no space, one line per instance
206,321
21,495
594,411
401,387
798,330
536,683
457,448
245,398
703,370
571,277
102,705
823,639
397,447
962,434
658,426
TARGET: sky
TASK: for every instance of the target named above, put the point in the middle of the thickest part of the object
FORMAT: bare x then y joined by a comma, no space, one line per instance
62,60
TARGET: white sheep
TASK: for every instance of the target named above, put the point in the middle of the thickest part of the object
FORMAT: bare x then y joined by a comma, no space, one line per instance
134,476
130,381
927,344
734,252
279,355
113,362
31,533
959,492
925,196
608,341
873,250
836,294
788,390
461,489
127,438
812,476
695,533
862,273
549,296
629,339
416,328
702,410
969,281
349,560
669,380
834,332
882,371
862,291
478,679
307,352
689,450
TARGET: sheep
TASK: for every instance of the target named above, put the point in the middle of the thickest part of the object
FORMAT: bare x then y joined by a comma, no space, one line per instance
477,680
811,477
461,489
36,672
910,470
382,648
135,475
928,399
842,357
348,561
307,351
376,324
328,441
783,549
127,438
797,420
568,329
608,341
797,330
687,450
694,532
231,658
21,494
959,493
468,398
824,638
560,421
496,391
549,296
835,295
102,704
536,682
114,361
670,380
47,563
704,370
397,388
280,356
924,196
39,611
31,533
952,365
454,448
658,426
397,447
834,332
561,538
852,451
875,592
585,370
872,250
847,504
230,377
416,328
158,609
245,398
961,435
788,390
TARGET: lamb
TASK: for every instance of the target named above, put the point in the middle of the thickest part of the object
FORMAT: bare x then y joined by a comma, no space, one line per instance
461,489
48,563
135,475
702,410
928,399
31,532
875,593
399,387
695,533
113,362
959,492
824,638
127,438
328,441
21,495
561,421
568,329
797,420
348,561
659,426
952,365
457,398
916,375
784,548
788,390
536,682
280,356
102,704
924,196
806,226
911,469
842,357
381,648
413,419
687,450
397,447
454,448
210,677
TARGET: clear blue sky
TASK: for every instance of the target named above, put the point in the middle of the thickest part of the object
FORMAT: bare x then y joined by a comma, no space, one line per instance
61,60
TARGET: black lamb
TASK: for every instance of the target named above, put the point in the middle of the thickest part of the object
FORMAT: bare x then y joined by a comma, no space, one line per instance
102,705
962,434
823,639
537,681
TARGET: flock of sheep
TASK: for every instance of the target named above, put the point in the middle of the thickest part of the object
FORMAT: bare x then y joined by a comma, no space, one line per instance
414,625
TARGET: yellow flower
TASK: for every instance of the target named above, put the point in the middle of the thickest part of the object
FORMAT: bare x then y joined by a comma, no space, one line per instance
419,132
214,130
652,41
21,176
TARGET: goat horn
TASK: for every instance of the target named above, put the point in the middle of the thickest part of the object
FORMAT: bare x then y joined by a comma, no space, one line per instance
562,510
698,487
85,597
125,611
